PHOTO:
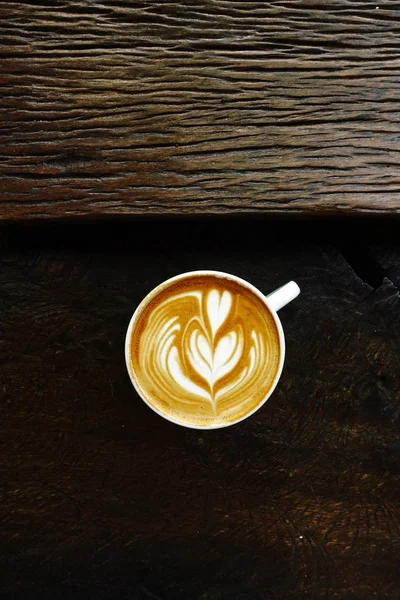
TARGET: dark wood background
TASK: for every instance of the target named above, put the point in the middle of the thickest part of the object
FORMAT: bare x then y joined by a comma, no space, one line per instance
133,108
152,107
103,499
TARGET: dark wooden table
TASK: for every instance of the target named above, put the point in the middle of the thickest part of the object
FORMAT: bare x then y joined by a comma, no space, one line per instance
204,107
103,499
152,107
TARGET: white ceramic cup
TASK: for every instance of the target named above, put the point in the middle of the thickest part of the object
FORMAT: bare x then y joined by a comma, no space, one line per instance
274,301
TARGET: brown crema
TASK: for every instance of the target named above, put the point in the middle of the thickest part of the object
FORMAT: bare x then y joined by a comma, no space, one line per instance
205,350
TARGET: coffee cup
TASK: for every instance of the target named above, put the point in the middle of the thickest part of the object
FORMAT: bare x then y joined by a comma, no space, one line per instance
205,349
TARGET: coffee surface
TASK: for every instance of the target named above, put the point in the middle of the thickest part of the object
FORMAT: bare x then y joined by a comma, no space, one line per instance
205,350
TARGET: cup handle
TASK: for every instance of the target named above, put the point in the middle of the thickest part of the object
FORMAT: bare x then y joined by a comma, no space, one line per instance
283,295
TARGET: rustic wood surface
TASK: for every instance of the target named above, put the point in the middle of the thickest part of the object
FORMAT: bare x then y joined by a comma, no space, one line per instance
201,106
103,499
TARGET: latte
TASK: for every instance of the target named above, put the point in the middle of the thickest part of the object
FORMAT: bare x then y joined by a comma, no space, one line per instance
204,350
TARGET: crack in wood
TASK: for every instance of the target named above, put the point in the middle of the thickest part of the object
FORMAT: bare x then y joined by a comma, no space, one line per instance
365,266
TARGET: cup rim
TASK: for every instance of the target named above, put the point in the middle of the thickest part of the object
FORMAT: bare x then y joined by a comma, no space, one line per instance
222,275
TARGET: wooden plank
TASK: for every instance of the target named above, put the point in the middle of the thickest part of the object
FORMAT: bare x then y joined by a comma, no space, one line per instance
101,498
203,107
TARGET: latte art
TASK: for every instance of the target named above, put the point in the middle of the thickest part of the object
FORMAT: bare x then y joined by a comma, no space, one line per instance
205,350
195,355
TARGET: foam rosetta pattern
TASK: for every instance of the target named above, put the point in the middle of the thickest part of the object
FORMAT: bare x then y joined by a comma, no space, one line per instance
204,352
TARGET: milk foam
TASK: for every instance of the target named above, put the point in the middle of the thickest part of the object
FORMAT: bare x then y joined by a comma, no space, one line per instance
205,351
210,358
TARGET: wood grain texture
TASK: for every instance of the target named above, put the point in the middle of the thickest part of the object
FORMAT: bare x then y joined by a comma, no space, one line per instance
103,499
202,106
